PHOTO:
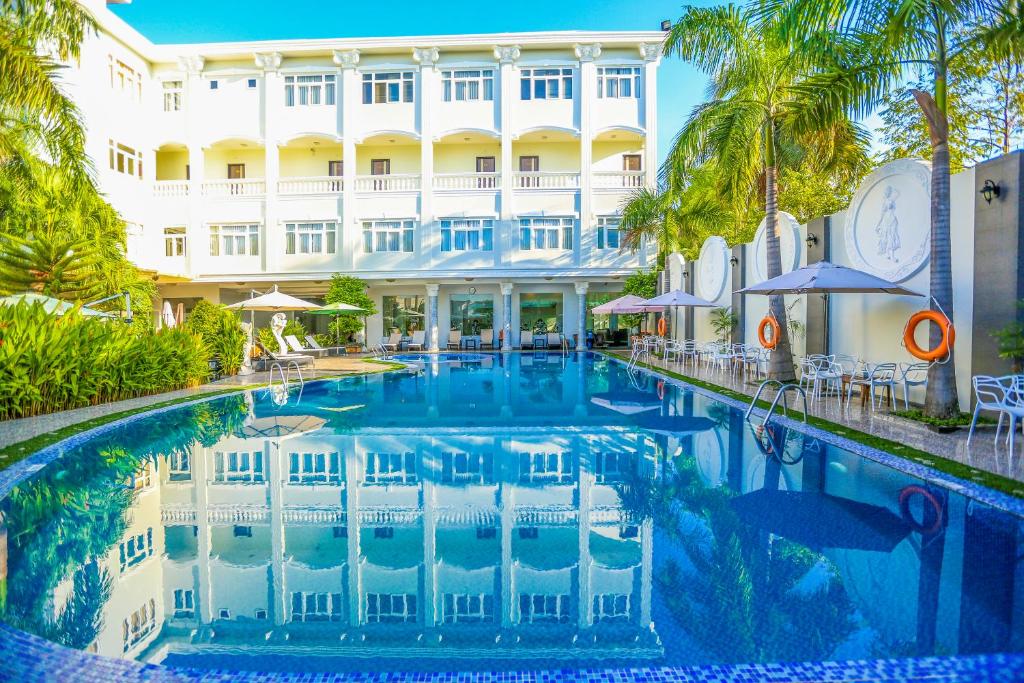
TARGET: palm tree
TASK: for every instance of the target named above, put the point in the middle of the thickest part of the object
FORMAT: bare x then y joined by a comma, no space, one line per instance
865,48
61,268
747,126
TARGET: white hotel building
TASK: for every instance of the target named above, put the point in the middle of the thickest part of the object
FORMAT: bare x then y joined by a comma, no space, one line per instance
471,181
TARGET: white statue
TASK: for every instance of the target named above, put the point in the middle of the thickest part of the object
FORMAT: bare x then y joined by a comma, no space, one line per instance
246,368
277,324
888,228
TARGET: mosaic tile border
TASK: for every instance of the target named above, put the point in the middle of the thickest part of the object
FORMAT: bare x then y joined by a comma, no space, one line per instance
30,659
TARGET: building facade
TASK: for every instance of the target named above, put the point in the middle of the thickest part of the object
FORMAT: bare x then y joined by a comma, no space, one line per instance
473,182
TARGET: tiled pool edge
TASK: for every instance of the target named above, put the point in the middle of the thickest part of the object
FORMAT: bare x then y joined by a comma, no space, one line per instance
29,658
969,489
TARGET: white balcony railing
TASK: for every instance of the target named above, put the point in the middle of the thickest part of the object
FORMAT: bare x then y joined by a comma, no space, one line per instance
467,181
311,185
170,188
246,187
388,183
547,181
619,179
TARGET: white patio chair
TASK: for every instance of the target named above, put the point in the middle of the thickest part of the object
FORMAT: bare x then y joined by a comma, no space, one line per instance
881,375
525,340
673,351
991,393
689,351
829,376
487,338
417,340
297,347
315,345
455,339
392,341
912,375
554,340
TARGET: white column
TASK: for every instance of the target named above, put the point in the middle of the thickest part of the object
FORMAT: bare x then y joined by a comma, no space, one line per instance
197,249
506,56
275,479
588,96
581,315
429,564
586,482
428,93
651,53
646,570
270,100
200,463
353,479
508,518
351,235
432,316
506,315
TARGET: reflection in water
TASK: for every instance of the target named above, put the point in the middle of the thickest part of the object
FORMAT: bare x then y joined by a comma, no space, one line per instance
529,511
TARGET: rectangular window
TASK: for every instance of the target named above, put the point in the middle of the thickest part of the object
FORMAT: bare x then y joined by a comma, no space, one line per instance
472,313
608,236
124,79
214,85
314,468
386,87
310,238
235,240
136,549
124,159
613,467
335,169
173,95
388,236
139,624
529,164
184,603
539,608
236,171
238,467
390,608
391,468
457,608
611,607
402,313
618,81
251,84
545,233
309,90
179,468
316,606
468,84
467,468
631,162
547,468
467,234
545,84
174,242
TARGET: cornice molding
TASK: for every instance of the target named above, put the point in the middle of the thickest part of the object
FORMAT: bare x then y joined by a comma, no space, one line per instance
588,53
346,59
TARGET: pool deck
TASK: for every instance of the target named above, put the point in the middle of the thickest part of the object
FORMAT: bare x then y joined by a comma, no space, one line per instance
983,453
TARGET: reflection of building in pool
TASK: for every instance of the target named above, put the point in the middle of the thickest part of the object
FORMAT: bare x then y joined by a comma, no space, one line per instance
514,542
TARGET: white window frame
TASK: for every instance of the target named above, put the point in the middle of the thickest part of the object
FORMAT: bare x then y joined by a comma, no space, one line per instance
613,466
184,603
391,608
124,159
388,87
310,90
135,549
125,79
235,239
614,81
311,237
175,241
389,236
611,607
467,234
390,468
314,468
467,85
310,606
139,624
546,468
546,233
607,227
546,83
174,95
542,608
458,467
239,467
179,466
462,608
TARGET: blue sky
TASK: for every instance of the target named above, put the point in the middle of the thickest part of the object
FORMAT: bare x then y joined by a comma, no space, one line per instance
680,86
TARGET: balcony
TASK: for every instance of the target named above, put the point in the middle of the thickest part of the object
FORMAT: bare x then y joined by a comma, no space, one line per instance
170,188
547,181
310,185
245,187
467,181
388,183
617,180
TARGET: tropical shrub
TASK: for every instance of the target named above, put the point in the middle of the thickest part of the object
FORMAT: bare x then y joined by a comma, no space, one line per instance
221,333
266,336
723,321
49,363
348,290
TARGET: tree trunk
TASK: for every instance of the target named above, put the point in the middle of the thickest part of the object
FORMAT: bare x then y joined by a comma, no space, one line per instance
941,399
780,365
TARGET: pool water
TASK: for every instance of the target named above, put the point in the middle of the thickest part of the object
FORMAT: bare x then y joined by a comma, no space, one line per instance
497,512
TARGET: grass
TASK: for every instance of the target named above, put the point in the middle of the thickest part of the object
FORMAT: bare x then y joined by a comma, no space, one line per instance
957,469
961,420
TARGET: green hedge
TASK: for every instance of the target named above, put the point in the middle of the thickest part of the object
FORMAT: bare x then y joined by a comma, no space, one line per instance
49,363
221,333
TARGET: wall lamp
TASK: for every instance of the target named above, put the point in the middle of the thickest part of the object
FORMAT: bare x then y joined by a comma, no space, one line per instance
990,191
733,261
811,240
686,273
666,25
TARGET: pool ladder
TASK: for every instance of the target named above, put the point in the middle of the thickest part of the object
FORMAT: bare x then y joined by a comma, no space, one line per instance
783,392
286,377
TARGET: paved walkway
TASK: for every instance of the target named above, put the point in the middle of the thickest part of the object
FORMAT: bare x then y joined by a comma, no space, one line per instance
15,431
982,453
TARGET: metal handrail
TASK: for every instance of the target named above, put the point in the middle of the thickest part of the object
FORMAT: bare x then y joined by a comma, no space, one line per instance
784,389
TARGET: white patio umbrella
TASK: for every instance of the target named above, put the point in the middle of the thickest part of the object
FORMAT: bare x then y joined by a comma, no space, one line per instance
677,298
629,303
271,301
167,315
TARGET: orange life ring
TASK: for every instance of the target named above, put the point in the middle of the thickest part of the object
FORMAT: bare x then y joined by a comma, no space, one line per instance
661,389
770,321
944,348
905,495
662,327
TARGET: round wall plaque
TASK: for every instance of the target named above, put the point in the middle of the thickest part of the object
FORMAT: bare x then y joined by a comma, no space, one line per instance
789,245
713,268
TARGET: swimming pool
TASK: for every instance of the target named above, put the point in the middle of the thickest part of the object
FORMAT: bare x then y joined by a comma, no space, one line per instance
496,513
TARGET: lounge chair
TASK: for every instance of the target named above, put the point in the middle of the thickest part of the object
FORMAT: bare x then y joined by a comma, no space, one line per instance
525,341
555,340
314,345
417,340
393,341
487,339
455,339
300,358
297,346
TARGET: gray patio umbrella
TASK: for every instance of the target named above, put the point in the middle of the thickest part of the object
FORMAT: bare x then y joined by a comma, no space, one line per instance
675,299
827,278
